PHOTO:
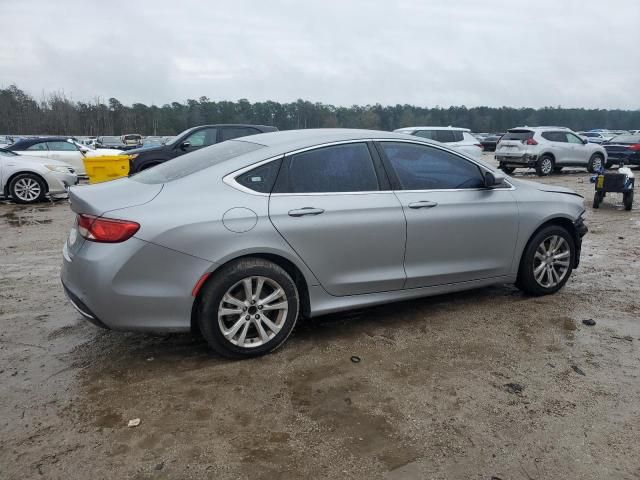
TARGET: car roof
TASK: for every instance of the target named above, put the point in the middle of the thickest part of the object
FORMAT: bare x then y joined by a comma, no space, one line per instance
411,129
533,129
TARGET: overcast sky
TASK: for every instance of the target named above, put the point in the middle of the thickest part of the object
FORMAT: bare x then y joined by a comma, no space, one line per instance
580,53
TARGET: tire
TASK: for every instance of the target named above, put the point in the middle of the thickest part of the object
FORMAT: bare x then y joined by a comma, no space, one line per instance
228,283
627,199
27,188
534,281
595,162
545,165
597,199
507,170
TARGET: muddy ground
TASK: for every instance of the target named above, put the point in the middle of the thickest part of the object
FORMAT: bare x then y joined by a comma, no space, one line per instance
484,384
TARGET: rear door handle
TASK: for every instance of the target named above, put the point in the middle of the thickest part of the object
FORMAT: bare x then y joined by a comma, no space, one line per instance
423,204
305,211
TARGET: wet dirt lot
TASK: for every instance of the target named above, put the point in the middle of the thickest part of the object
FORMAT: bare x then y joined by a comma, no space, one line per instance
483,384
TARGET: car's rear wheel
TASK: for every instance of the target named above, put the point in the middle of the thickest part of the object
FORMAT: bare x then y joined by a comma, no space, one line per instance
248,309
596,162
547,261
544,165
27,188
507,170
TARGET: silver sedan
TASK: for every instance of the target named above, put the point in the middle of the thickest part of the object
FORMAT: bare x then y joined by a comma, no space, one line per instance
242,238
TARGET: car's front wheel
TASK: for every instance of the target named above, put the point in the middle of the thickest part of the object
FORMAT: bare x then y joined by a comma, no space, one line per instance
27,188
547,261
545,165
249,308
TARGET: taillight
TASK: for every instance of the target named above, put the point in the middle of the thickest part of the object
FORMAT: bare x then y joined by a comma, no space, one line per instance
480,145
105,230
635,147
529,141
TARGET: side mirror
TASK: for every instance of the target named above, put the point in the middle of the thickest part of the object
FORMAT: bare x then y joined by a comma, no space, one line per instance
585,141
185,145
84,150
492,179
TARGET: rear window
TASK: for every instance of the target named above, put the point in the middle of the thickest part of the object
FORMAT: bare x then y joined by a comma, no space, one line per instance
518,135
195,162
625,139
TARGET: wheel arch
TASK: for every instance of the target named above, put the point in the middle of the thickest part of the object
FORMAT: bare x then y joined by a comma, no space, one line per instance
21,172
287,265
560,221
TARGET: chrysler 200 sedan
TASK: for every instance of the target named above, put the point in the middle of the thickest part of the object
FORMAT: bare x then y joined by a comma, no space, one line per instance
242,238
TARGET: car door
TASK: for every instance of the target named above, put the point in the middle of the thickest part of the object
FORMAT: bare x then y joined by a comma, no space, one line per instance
333,205
197,140
457,230
559,147
579,152
67,152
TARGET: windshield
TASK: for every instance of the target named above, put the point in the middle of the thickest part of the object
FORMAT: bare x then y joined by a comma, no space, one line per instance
195,162
518,135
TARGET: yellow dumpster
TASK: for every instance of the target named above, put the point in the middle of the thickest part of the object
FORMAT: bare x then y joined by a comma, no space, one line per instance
103,169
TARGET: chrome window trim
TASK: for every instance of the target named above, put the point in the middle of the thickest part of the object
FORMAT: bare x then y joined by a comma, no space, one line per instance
230,178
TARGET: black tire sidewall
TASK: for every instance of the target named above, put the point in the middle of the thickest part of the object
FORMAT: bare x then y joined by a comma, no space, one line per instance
213,291
526,279
14,180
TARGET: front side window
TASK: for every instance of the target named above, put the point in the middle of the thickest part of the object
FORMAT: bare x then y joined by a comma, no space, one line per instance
230,133
426,168
339,168
571,138
202,138
38,147
61,147
262,178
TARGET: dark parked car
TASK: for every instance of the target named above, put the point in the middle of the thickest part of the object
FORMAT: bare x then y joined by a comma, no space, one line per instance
189,141
624,148
489,143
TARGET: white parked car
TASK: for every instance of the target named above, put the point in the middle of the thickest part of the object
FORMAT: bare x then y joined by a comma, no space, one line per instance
547,149
30,179
459,139
63,149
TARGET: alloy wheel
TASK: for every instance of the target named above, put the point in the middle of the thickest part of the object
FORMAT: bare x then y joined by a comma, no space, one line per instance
551,261
252,311
27,189
547,166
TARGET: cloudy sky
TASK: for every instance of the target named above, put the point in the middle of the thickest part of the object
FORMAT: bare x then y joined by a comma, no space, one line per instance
574,53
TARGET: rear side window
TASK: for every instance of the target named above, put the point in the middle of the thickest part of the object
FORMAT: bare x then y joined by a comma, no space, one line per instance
195,162
230,133
62,146
426,168
42,146
555,136
260,179
518,135
340,168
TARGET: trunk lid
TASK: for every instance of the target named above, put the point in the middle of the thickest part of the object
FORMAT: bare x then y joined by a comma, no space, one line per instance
101,198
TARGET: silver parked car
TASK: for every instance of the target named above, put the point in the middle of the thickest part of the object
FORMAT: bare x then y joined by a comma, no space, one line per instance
547,149
242,238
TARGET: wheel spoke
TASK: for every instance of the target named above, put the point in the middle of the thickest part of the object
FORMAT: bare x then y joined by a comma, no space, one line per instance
260,283
243,334
270,298
228,298
540,267
275,306
248,289
234,329
272,326
230,311
561,255
263,334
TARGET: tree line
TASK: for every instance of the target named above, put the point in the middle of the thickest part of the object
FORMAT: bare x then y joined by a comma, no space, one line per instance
57,114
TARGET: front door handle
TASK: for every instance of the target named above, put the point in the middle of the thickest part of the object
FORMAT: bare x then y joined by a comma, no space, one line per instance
305,211
423,204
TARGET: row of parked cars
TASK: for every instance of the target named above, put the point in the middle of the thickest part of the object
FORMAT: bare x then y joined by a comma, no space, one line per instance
31,168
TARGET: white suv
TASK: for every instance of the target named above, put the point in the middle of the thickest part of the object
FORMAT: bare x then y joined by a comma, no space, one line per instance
457,138
547,149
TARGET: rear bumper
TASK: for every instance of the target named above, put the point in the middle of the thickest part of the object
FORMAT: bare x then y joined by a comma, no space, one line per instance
524,160
132,286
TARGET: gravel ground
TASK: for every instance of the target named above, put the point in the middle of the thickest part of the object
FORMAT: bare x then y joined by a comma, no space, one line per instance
487,384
